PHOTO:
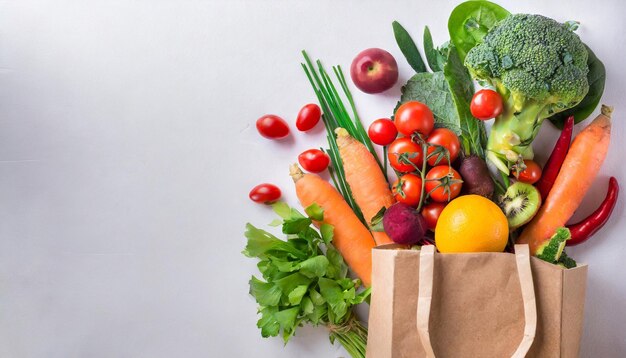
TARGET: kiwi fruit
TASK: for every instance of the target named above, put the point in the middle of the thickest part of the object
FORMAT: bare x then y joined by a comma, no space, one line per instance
520,203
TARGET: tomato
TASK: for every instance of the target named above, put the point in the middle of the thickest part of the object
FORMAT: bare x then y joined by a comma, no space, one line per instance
265,193
414,117
382,131
397,157
443,183
314,160
308,117
531,174
431,213
408,189
272,126
486,104
443,138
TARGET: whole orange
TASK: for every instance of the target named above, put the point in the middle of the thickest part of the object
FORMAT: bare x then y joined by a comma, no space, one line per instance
471,223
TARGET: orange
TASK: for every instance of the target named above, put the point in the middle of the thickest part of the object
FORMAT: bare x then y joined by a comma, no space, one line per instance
471,223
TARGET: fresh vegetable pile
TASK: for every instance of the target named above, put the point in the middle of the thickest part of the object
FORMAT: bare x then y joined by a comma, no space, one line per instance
457,169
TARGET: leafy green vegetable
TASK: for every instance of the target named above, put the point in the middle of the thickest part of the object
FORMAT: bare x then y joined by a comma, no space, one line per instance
304,280
408,47
436,57
470,21
596,78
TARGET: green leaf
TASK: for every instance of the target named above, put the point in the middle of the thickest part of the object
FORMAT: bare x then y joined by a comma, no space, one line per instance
315,212
434,57
260,243
318,314
314,267
266,294
470,21
361,296
267,323
282,209
295,296
296,225
289,283
287,317
596,78
333,294
462,90
337,267
376,224
306,306
408,47
276,222
316,297
285,266
327,233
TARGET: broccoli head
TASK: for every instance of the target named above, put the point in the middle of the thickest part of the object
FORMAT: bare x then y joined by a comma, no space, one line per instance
539,67
552,249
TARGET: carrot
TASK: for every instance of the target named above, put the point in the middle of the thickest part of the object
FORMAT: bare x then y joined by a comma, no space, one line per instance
579,169
367,182
350,236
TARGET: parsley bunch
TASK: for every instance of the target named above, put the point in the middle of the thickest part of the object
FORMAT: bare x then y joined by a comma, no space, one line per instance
304,280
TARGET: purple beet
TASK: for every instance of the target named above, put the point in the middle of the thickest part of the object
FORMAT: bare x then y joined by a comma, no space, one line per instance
476,178
404,224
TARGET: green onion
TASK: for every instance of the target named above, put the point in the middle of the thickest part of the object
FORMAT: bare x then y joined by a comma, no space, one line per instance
335,116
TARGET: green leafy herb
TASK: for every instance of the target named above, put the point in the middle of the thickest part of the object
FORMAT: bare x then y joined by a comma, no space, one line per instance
596,78
304,281
470,21
408,48
436,57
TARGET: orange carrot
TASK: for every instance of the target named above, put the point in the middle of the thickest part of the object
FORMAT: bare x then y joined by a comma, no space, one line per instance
350,236
367,182
578,171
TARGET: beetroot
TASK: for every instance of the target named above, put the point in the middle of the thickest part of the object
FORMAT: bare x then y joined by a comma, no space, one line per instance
476,178
404,224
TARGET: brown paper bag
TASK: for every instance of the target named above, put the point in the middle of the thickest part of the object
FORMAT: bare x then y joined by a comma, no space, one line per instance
426,304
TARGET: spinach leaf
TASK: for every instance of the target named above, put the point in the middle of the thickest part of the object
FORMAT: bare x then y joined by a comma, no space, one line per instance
408,47
470,21
596,78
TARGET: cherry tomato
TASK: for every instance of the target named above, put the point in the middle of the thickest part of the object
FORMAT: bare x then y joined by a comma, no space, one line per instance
431,213
397,157
408,189
531,174
314,160
382,131
443,138
486,104
308,117
443,183
272,126
265,193
414,116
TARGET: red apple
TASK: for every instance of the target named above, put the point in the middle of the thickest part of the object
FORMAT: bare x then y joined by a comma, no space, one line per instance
374,70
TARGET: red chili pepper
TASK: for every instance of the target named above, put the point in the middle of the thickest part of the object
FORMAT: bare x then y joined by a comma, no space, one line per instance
584,229
553,165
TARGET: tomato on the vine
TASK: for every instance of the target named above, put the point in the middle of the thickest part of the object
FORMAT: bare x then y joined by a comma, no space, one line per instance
531,174
272,127
439,139
265,193
314,160
402,152
443,183
308,117
431,212
414,117
486,104
408,189
382,131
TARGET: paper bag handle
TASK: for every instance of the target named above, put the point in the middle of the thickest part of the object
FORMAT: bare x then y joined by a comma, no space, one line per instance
522,258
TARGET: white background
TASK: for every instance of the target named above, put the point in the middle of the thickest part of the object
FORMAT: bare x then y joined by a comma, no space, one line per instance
128,147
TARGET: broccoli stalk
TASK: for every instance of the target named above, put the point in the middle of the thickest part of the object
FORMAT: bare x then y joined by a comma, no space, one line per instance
539,68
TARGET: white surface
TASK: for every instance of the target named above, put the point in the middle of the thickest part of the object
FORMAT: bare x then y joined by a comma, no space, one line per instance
128,147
